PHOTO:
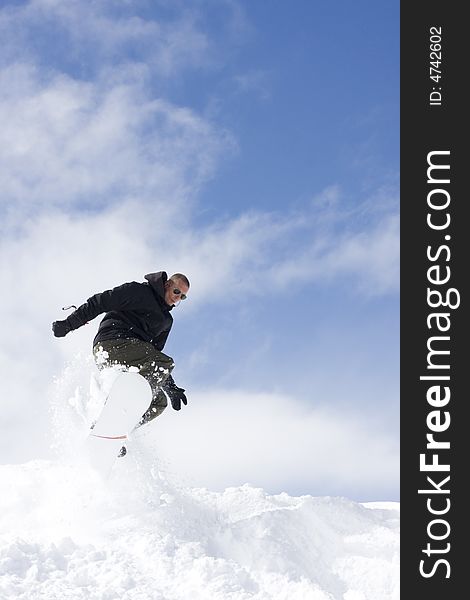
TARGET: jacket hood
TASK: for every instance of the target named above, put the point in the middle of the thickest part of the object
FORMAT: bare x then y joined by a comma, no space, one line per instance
157,282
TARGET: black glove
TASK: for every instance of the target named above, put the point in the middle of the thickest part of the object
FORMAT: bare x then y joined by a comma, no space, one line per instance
61,328
175,393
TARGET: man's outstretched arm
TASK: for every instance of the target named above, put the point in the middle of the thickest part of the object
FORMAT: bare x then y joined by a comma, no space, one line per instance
123,297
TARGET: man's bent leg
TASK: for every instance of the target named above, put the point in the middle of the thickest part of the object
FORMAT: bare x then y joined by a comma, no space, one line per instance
154,365
157,406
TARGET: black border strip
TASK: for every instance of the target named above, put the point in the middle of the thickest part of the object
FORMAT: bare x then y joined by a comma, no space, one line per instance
434,119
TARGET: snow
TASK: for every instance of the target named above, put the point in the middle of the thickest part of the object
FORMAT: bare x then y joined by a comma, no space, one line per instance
67,534
143,534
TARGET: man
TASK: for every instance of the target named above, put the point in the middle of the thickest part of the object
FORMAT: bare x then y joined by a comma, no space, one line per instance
133,332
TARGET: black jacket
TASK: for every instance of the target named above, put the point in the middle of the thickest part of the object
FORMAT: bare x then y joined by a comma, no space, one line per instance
133,310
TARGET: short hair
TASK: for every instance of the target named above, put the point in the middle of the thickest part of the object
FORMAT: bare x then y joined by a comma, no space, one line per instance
181,277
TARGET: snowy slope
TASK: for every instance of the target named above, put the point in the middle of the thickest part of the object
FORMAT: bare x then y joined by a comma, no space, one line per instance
66,534
143,534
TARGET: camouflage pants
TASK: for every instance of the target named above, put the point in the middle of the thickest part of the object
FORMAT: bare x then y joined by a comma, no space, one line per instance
152,364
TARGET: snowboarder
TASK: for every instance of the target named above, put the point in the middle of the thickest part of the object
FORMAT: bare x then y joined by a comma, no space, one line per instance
133,332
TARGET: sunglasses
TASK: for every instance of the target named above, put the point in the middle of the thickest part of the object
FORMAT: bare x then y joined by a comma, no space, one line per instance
178,292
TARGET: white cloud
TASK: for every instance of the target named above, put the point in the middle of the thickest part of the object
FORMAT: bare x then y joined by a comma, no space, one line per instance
225,438
68,143
368,257
106,31
314,248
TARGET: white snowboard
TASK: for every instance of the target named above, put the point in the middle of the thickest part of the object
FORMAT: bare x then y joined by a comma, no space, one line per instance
128,399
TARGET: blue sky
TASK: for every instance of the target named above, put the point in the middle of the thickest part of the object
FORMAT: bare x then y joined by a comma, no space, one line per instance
252,145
